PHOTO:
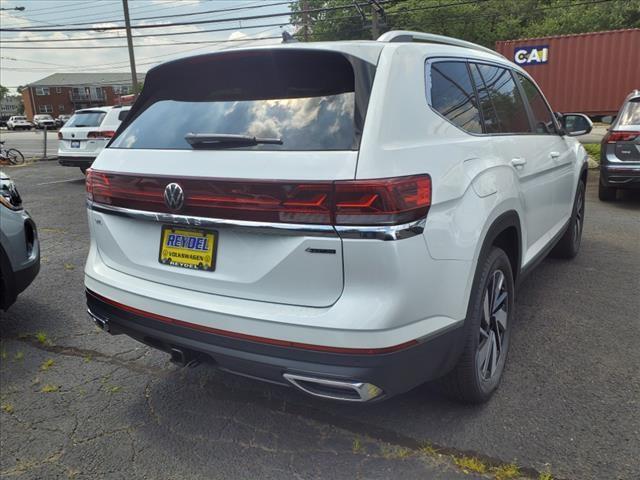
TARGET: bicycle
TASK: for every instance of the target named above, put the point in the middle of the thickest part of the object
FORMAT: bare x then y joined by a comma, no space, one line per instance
13,155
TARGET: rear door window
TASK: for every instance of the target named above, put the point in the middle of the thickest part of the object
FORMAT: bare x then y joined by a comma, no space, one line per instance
505,97
489,116
86,119
452,95
310,100
543,118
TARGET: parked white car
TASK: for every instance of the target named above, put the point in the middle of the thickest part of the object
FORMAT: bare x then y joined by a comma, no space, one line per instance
353,225
42,121
19,123
86,133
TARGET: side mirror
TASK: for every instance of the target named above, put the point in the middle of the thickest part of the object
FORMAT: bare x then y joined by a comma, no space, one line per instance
576,124
607,119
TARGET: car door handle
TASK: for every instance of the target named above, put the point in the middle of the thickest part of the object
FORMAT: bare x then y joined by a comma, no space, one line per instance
518,162
554,154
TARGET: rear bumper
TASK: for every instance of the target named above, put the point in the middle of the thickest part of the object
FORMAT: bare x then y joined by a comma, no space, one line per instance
75,161
392,371
620,175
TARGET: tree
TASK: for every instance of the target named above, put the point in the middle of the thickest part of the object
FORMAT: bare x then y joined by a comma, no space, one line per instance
4,91
483,21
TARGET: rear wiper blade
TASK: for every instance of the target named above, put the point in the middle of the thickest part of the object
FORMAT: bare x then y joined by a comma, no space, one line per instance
225,140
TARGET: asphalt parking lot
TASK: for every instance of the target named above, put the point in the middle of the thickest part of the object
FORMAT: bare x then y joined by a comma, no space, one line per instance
78,403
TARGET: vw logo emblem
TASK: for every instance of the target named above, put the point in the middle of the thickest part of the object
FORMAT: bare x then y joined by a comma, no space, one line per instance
174,196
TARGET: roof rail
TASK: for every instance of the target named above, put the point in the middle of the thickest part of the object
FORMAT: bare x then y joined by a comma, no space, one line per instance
409,36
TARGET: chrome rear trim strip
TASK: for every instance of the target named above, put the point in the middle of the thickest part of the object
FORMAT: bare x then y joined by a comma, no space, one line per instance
204,222
386,233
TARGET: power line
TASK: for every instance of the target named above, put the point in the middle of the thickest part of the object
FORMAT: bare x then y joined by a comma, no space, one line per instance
123,64
148,35
176,24
138,46
222,10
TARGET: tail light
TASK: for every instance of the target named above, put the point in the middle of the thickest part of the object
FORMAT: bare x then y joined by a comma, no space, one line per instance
386,201
101,134
618,136
59,135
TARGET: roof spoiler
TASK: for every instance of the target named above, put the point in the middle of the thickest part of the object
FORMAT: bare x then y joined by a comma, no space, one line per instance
409,36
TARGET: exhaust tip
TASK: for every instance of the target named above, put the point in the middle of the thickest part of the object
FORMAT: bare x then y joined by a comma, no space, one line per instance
343,390
102,323
183,358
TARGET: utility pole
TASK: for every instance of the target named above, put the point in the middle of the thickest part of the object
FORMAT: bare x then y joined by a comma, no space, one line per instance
375,31
377,14
132,60
305,20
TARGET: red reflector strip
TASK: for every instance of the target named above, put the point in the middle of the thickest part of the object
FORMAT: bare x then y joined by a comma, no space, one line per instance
253,338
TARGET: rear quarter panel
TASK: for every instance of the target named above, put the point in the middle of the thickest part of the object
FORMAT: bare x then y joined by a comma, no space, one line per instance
472,185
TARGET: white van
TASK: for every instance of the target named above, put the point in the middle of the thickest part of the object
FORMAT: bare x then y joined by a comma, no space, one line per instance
84,136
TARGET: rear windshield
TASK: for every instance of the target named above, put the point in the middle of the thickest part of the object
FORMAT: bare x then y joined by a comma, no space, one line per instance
310,100
630,114
86,119
19,118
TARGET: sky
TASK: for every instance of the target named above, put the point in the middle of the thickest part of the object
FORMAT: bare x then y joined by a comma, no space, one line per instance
21,66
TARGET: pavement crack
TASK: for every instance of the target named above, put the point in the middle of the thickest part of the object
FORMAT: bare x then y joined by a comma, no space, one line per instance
89,353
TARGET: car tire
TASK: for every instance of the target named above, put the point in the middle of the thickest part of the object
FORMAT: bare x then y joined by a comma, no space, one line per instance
487,330
606,194
569,244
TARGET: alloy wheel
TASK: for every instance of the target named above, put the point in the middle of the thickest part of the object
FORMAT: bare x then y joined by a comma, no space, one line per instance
493,325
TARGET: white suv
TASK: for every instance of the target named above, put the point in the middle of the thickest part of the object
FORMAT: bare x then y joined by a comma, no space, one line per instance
86,133
19,123
354,224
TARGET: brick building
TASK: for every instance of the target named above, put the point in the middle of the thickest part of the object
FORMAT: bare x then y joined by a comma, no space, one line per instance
64,93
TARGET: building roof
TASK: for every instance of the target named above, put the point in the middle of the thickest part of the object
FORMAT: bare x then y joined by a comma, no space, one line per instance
82,79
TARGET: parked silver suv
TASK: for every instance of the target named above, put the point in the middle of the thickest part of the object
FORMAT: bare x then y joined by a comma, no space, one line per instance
19,247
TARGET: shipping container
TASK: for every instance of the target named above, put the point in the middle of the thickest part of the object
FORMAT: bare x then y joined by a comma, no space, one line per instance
590,73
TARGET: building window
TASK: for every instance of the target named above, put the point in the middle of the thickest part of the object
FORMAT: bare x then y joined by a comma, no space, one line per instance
58,89
42,90
121,89
45,108
61,108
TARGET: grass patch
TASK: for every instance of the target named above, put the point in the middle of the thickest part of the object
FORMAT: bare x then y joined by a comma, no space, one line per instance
69,266
19,356
545,476
50,389
7,407
46,365
87,358
505,472
430,450
593,149
41,337
393,451
357,446
470,464
114,389
3,354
